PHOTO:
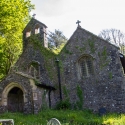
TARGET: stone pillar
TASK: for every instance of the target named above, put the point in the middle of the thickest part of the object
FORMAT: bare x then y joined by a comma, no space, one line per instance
34,97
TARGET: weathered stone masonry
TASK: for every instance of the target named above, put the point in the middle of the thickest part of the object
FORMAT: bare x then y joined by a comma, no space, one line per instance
86,61
104,87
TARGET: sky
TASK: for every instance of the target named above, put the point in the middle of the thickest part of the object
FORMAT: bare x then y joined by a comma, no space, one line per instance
95,15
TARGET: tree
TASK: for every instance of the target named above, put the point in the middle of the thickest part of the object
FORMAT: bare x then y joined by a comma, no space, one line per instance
114,36
56,39
14,15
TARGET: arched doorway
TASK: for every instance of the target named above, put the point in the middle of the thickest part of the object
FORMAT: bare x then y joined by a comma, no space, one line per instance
15,100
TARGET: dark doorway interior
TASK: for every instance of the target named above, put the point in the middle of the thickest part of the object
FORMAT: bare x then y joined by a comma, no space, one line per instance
15,100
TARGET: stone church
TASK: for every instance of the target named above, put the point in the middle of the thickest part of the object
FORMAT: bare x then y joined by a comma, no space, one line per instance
40,78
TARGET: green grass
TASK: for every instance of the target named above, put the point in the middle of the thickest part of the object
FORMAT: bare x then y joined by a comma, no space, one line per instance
66,117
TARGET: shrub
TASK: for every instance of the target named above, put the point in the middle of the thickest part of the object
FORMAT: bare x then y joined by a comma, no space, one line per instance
64,104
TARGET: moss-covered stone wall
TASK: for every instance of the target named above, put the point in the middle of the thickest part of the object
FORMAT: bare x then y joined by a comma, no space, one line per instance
101,89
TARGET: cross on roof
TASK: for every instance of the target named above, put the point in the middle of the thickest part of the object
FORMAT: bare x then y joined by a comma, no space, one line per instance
78,22
34,15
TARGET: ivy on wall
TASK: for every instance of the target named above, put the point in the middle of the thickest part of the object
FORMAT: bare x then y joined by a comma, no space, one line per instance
110,75
49,56
103,58
65,103
91,44
79,103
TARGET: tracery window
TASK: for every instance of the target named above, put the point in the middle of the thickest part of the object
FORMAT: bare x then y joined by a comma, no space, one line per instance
85,66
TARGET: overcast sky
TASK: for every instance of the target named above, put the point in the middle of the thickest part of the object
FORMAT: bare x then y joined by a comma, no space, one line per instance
94,15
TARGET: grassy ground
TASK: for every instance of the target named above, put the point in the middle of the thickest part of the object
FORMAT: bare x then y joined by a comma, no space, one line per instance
66,117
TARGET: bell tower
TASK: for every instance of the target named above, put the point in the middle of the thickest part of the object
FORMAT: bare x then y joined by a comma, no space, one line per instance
35,29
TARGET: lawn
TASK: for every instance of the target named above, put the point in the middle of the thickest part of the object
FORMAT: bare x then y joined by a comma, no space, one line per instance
66,117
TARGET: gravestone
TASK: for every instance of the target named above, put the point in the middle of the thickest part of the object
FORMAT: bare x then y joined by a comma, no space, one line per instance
102,111
53,121
7,121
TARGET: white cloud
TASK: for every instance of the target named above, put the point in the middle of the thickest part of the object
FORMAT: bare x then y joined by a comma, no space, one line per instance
94,15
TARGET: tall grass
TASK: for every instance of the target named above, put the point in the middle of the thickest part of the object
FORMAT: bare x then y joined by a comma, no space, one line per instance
66,117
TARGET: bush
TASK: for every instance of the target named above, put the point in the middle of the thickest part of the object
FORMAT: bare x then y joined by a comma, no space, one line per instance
64,104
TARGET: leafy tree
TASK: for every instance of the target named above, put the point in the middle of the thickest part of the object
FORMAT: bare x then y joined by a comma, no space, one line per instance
114,36
14,15
57,50
56,39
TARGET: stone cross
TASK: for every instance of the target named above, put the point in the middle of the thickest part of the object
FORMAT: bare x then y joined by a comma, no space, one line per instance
34,15
78,22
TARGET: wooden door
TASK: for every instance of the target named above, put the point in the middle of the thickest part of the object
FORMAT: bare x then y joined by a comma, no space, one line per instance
15,100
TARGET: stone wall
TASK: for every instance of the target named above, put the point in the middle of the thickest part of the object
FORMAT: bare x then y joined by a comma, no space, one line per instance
14,80
21,77
36,74
103,88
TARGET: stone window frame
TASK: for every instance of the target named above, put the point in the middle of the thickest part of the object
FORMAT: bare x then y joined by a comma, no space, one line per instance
34,69
7,89
28,32
85,66
37,29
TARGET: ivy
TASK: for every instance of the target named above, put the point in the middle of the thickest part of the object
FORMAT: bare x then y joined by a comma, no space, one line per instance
15,68
104,54
49,56
65,103
61,66
77,47
110,75
36,82
103,58
66,92
81,49
67,51
91,45
79,103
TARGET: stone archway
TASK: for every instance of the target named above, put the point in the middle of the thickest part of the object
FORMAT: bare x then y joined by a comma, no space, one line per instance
13,97
15,100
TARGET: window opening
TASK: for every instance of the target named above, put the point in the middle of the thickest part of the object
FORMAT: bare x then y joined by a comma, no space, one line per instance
37,29
28,33
85,66
34,69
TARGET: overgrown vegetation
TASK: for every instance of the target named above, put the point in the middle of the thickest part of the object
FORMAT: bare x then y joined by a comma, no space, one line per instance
91,45
79,103
66,117
65,103
110,75
48,55
103,58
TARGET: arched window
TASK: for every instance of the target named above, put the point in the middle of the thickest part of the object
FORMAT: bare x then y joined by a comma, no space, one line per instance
34,69
37,29
28,32
85,66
